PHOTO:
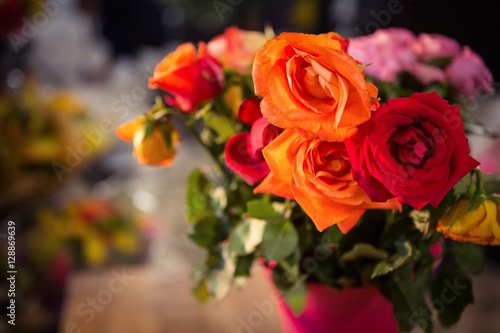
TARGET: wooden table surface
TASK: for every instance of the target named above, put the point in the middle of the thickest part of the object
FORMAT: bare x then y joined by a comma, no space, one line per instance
157,300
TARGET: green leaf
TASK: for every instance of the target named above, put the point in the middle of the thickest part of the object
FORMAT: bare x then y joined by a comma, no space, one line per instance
246,236
438,88
243,265
463,186
148,129
290,269
201,292
279,240
333,235
306,237
477,201
215,259
197,196
220,124
209,231
408,314
440,62
197,275
262,210
384,267
218,200
451,292
296,297
470,257
364,250
220,281
413,287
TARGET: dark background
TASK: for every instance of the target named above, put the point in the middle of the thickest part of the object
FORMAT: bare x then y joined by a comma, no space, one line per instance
129,24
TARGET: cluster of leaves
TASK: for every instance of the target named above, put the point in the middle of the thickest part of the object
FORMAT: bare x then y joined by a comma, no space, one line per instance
391,249
388,248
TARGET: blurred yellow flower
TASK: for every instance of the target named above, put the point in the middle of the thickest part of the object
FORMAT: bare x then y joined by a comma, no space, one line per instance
233,98
67,102
124,241
94,249
479,226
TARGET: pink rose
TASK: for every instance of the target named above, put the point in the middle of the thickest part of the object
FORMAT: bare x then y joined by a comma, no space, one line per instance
243,151
432,46
468,73
426,74
236,48
387,52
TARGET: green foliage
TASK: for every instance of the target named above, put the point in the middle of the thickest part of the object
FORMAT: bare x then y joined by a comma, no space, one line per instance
390,249
209,231
220,124
451,292
263,210
386,266
279,240
246,236
296,297
197,196
469,257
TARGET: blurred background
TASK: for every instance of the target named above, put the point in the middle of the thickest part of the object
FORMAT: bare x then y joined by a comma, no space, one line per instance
101,242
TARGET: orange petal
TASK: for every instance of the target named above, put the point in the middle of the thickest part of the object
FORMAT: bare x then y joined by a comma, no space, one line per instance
274,185
126,131
325,212
351,221
389,204
277,155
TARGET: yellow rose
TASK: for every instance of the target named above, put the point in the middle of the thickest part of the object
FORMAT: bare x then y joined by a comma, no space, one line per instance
479,226
157,148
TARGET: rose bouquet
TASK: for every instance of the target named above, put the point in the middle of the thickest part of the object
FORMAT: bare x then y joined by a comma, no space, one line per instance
339,163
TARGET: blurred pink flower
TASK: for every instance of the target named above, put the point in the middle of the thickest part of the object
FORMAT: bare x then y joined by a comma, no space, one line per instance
426,74
432,46
387,52
490,161
236,48
468,73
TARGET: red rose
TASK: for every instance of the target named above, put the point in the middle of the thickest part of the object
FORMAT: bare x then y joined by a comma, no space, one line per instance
249,111
413,148
243,151
189,77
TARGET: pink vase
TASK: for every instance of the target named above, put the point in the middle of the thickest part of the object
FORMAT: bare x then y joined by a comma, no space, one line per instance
350,310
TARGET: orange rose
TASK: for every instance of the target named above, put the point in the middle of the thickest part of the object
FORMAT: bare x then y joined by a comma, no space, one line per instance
236,48
310,84
158,147
344,42
317,174
188,77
